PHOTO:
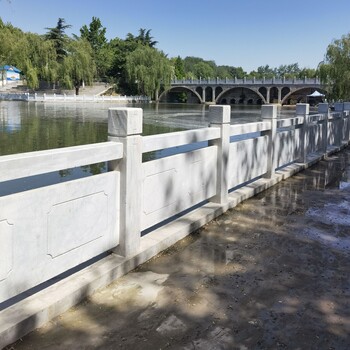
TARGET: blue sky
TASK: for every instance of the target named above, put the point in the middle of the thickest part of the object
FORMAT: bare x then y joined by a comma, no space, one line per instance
246,33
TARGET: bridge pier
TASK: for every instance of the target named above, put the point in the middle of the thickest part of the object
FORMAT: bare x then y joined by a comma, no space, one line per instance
268,95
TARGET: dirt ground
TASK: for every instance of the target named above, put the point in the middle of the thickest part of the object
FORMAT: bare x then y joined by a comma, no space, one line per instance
273,273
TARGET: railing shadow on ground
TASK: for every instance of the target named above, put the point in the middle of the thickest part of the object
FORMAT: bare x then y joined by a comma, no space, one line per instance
250,278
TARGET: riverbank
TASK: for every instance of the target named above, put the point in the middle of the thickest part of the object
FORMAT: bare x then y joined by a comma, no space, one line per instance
271,273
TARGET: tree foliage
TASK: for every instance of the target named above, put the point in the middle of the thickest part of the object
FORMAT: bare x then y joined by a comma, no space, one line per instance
143,38
95,34
335,70
59,38
148,69
134,64
78,65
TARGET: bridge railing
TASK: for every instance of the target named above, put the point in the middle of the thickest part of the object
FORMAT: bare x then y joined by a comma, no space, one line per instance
144,206
253,81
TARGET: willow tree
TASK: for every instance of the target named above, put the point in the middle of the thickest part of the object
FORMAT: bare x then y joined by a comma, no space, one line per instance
31,53
78,66
149,69
335,70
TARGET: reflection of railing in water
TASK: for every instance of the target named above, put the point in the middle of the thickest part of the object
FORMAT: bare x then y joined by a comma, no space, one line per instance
51,229
71,98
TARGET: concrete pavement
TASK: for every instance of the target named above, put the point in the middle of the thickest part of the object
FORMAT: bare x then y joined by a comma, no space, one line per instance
272,273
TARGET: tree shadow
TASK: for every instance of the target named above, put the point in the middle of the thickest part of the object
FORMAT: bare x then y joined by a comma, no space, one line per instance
254,278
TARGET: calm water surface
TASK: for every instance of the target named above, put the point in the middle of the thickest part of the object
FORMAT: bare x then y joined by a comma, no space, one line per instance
26,127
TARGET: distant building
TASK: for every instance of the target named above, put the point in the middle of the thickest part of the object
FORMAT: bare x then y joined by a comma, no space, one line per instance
9,74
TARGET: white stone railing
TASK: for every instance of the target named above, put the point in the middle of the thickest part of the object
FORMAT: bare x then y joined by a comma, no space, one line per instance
245,81
48,230
71,98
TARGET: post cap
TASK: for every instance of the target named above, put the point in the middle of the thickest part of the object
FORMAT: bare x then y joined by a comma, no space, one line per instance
269,111
302,108
124,121
219,114
323,108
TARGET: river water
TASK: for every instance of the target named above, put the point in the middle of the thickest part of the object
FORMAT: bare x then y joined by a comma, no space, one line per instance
26,127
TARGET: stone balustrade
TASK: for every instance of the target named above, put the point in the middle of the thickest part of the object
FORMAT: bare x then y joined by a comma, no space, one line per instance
138,208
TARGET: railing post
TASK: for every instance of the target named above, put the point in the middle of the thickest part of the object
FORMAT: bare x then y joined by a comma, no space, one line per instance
270,112
220,116
125,126
302,110
323,108
347,112
339,108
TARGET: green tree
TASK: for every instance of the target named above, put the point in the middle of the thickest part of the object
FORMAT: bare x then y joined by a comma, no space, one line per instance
148,69
265,71
179,68
95,34
78,66
59,38
203,70
31,53
145,38
238,72
307,72
335,70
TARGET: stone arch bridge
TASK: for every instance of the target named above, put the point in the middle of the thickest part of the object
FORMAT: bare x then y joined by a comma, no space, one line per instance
241,91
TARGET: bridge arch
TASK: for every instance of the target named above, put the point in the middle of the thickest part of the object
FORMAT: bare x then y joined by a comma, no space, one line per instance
284,92
301,94
181,89
249,99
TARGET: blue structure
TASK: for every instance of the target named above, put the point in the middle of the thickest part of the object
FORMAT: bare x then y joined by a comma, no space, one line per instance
10,73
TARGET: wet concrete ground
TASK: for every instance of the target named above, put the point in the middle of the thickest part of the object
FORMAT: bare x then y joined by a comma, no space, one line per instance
273,273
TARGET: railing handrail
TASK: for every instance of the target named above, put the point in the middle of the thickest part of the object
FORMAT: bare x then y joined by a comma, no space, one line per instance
244,81
21,165
162,141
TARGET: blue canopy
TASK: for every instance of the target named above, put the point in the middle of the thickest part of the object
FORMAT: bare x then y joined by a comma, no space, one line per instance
10,68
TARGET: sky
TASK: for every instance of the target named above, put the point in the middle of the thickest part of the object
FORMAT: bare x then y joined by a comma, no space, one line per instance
239,33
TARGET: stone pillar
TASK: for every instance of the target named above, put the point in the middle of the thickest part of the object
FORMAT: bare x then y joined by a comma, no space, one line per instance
347,113
269,112
125,126
302,110
323,108
279,95
220,116
213,95
339,108
203,95
268,94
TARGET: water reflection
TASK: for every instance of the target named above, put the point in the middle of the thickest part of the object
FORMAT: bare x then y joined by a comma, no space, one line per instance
26,127
10,118
29,127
